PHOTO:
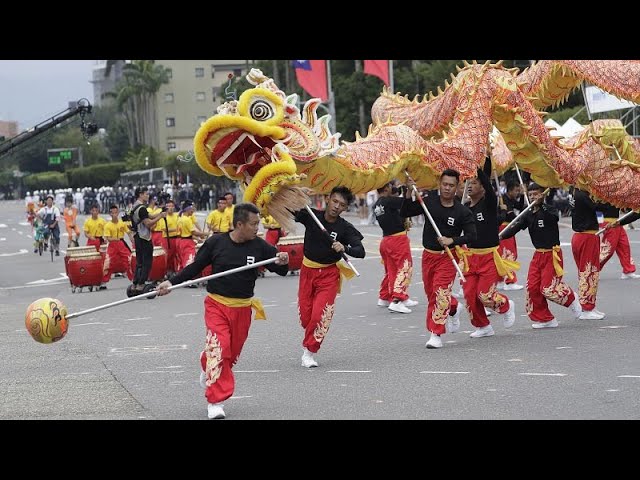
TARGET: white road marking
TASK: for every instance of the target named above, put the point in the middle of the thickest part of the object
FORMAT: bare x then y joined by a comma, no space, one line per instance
562,348
533,374
137,334
612,390
19,232
24,224
270,305
90,323
2,225
21,252
445,373
514,360
256,371
146,349
613,326
492,390
172,366
359,293
628,376
136,318
51,280
349,371
28,236
162,371
3,239
240,396
183,314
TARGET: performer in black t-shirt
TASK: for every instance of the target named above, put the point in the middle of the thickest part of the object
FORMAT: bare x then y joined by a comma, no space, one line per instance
485,265
438,272
395,251
320,275
544,280
229,301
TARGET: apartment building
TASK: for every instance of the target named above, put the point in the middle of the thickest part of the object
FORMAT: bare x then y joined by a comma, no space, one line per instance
191,97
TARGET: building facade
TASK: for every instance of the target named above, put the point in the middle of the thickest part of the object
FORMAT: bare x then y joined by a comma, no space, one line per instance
8,129
191,97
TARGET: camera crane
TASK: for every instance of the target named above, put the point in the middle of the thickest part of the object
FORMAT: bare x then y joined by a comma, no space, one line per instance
82,108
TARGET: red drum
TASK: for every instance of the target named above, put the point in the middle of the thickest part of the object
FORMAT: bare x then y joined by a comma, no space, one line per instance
158,266
294,246
84,269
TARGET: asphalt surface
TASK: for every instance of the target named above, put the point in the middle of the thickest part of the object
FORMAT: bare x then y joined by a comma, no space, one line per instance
139,360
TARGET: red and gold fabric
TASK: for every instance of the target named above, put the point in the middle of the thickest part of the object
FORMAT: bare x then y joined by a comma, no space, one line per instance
544,282
615,240
508,250
586,253
395,251
438,274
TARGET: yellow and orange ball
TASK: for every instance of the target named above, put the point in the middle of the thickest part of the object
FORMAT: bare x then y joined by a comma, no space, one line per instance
46,320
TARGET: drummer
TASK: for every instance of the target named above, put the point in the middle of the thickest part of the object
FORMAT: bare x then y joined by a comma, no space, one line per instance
188,229
94,228
118,252
170,242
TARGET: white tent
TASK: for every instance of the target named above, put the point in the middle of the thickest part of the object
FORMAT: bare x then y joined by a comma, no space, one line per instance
551,123
571,128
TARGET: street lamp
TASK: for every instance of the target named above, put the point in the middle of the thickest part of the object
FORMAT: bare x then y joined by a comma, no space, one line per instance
146,161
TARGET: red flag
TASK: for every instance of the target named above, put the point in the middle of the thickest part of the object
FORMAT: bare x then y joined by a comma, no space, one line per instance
378,68
312,76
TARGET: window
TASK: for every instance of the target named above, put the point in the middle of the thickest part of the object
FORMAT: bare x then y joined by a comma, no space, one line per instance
199,72
171,122
200,97
213,71
201,120
169,73
214,93
171,145
168,98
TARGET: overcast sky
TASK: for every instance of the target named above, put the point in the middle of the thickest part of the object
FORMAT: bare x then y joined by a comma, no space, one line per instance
33,90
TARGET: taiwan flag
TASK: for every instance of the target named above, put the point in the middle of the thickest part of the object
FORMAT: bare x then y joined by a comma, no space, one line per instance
312,76
378,68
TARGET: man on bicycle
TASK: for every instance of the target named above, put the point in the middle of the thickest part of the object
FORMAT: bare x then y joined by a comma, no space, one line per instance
49,214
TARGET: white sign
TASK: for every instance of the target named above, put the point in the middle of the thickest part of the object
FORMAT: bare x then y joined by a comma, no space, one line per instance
599,101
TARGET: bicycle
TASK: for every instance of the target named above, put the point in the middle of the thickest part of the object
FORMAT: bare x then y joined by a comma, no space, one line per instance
39,238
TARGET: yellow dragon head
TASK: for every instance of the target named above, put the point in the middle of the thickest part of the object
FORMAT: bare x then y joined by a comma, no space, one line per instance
257,139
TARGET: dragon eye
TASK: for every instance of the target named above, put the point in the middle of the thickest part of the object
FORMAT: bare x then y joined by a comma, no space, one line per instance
261,110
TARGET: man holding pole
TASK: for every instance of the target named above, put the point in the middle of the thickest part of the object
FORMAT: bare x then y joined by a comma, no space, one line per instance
322,271
484,263
446,219
544,280
229,303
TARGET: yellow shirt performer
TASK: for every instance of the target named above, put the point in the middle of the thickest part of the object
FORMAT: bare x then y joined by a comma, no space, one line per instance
94,228
218,220
118,252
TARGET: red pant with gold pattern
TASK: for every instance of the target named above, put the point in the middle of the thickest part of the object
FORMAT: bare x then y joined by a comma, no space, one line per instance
544,284
480,289
508,249
316,303
586,253
227,330
438,274
395,251
615,240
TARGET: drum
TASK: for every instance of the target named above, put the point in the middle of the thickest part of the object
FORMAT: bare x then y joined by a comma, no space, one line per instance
84,269
294,246
158,266
73,251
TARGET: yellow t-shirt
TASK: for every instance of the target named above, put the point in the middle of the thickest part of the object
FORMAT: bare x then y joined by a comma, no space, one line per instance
218,221
159,226
269,222
229,212
185,226
94,228
115,230
172,223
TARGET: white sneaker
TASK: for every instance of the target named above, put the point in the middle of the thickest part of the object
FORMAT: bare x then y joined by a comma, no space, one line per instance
483,332
410,303
591,315
307,359
383,303
398,307
501,286
215,411
434,341
453,322
599,312
551,324
488,312
510,315
626,276
576,308
513,286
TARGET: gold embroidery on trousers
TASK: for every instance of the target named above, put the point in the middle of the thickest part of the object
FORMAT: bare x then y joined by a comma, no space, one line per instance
557,291
528,303
403,278
442,304
213,354
508,254
605,249
325,322
588,283
492,299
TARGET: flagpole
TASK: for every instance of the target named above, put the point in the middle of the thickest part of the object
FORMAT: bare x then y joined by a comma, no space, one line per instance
391,76
331,101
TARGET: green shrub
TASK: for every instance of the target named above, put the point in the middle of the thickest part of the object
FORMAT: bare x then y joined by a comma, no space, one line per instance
46,180
106,174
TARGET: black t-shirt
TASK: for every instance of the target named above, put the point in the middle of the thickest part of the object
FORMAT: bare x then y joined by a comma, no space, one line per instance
451,221
542,225
485,215
224,254
608,210
584,213
514,207
387,212
317,246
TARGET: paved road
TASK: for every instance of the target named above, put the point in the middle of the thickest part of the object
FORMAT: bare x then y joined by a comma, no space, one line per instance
138,361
